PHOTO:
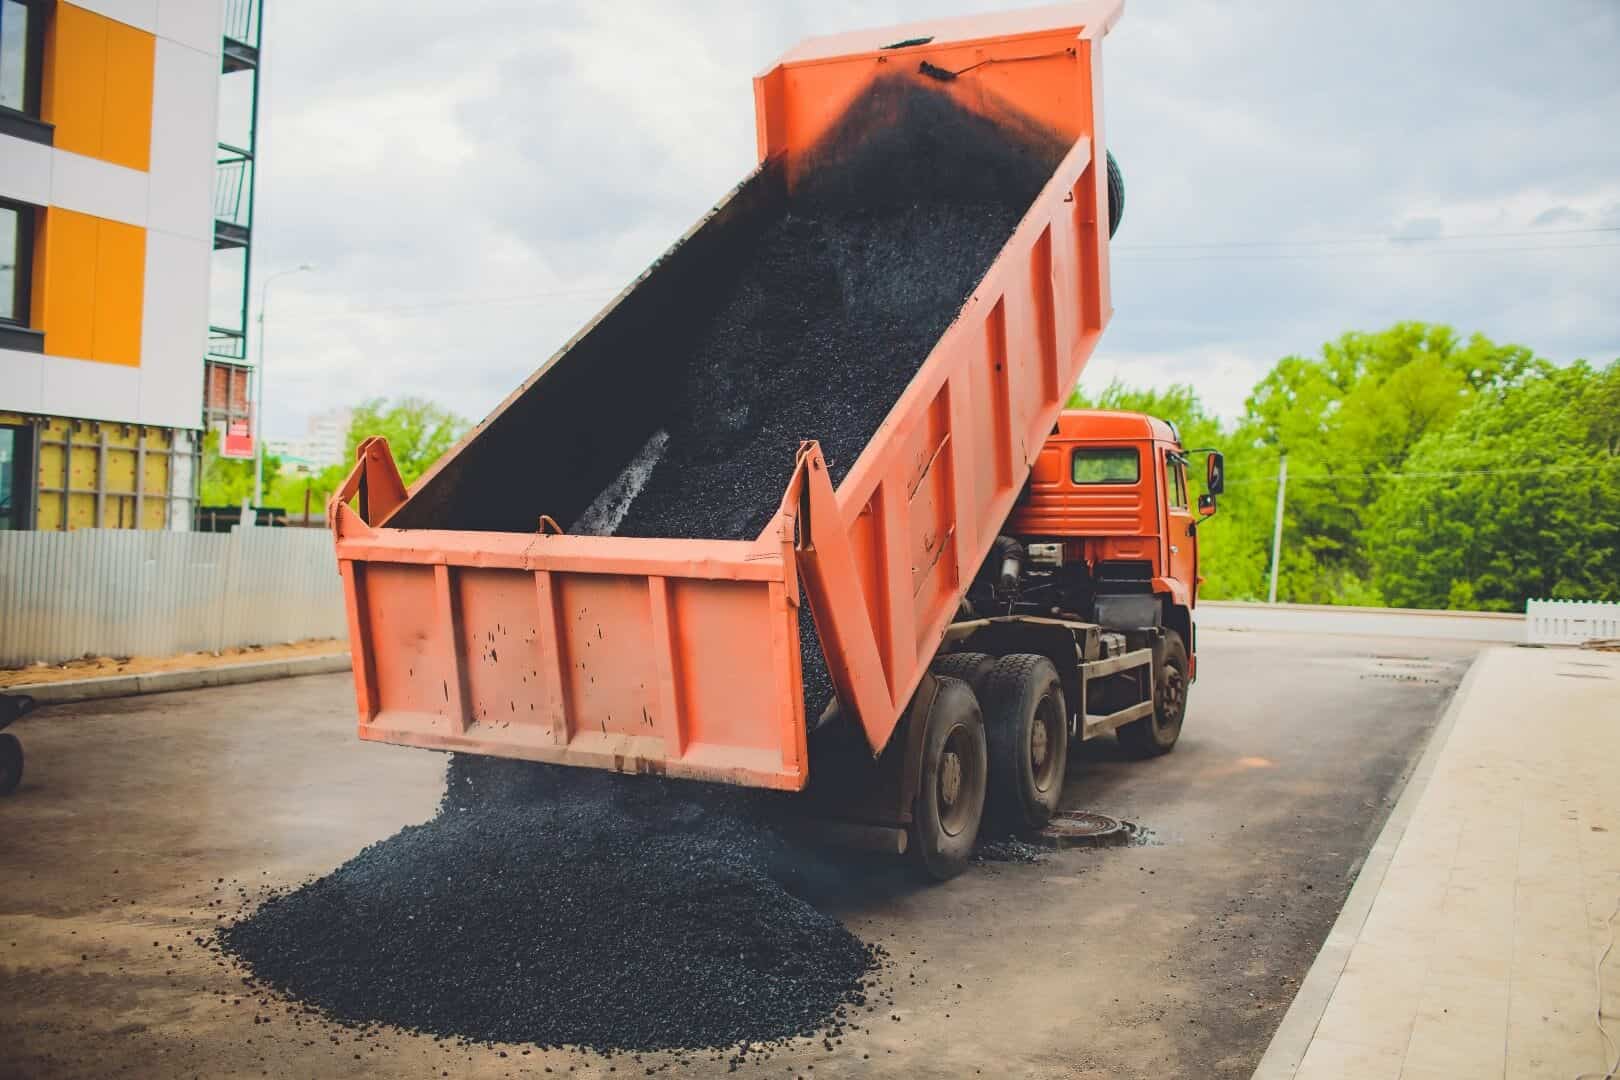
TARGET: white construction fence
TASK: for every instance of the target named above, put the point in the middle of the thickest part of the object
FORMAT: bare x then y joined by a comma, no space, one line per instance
1571,622
1545,622
126,592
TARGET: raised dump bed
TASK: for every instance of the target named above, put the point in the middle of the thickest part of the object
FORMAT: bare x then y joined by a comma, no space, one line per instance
840,376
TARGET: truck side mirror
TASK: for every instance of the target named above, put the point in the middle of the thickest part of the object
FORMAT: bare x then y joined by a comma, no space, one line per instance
1214,473
1206,506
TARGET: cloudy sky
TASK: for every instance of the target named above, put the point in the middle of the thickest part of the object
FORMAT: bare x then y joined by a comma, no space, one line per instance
473,182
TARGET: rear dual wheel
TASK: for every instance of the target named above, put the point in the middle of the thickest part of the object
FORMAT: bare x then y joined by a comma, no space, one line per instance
1028,727
951,788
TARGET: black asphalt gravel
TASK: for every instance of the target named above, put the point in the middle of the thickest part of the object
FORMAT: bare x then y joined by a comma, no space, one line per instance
556,906
567,907
906,205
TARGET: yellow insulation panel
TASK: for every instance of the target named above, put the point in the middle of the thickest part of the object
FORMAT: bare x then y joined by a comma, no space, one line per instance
84,477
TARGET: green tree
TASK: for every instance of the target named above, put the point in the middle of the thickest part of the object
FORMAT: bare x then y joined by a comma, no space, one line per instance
1349,418
418,432
1515,499
227,481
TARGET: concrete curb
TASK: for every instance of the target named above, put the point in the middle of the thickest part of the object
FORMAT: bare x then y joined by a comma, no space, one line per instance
159,682
1293,1036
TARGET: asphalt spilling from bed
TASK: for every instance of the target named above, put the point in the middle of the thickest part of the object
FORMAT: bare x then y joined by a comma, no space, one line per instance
564,907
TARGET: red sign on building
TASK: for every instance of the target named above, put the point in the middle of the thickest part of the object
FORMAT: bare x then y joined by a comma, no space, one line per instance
237,441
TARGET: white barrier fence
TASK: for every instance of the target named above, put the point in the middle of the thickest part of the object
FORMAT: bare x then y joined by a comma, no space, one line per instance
126,592
1377,622
1571,622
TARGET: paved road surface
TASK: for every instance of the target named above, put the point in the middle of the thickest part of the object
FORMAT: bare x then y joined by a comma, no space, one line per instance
1174,958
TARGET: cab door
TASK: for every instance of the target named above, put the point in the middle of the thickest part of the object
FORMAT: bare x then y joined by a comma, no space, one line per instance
1181,548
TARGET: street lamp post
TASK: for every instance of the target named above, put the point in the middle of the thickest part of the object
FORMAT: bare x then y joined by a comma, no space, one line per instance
258,402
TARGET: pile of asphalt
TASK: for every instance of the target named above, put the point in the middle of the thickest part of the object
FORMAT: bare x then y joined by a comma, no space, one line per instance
566,907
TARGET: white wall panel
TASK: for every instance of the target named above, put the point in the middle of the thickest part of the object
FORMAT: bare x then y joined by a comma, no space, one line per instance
22,380
185,105
174,330
90,390
96,187
196,24
142,14
25,170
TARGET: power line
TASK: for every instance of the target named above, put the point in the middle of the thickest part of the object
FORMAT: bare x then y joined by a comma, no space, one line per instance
1526,470
480,301
1369,239
1414,253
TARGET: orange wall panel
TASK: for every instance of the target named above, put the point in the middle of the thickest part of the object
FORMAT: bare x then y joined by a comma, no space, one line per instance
126,132
69,279
75,79
120,281
98,87
91,287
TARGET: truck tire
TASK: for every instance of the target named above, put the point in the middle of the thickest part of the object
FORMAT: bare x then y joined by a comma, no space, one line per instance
1027,727
1157,734
971,667
950,791
11,763
1116,196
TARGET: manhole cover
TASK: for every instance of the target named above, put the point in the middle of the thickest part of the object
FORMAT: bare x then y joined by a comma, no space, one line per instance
1083,828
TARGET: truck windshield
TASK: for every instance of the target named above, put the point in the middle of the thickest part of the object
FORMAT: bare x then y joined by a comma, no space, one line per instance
1106,465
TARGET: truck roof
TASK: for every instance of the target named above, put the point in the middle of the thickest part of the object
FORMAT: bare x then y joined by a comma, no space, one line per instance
1098,424
1099,15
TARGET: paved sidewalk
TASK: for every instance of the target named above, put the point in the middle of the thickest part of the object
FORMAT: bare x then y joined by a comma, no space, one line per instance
1469,945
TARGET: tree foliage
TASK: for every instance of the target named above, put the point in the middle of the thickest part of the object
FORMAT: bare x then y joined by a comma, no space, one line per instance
1397,442
1519,497
227,481
418,434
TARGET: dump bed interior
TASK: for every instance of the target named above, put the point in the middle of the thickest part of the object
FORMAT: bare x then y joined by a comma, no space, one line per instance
841,134
912,277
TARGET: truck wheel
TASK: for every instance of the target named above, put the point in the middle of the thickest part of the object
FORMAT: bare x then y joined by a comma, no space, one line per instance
950,792
11,763
1027,726
971,667
1157,734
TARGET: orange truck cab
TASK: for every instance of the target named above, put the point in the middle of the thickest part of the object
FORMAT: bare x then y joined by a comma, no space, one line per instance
1108,527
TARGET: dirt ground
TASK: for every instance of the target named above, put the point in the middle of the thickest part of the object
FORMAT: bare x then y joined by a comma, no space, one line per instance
143,822
99,666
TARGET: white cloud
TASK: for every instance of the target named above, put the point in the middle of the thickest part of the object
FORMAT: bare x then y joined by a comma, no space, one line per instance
433,162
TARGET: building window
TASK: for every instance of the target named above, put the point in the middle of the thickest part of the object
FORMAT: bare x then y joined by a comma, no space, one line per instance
16,261
22,52
16,476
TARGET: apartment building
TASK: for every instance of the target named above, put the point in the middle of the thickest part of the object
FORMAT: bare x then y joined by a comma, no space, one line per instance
110,178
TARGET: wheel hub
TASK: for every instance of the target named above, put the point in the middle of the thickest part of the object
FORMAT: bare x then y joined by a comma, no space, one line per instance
1174,694
950,780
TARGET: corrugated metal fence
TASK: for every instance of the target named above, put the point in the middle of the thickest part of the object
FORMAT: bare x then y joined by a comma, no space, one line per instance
127,592
1571,622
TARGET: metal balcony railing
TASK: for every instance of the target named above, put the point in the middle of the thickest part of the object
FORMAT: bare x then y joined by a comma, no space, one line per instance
225,343
242,21
233,197
232,175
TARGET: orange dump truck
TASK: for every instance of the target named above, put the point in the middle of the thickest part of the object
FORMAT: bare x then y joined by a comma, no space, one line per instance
479,626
